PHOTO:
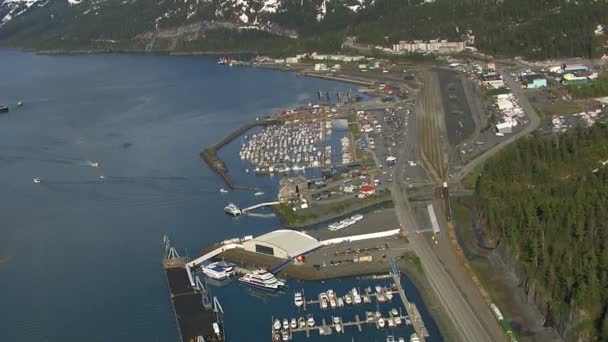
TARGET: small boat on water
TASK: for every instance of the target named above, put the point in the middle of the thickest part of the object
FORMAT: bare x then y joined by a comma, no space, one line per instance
219,270
389,294
401,339
102,177
301,322
390,338
310,321
356,296
285,332
232,209
224,191
348,299
394,312
381,322
285,323
94,163
397,320
258,193
277,324
36,180
293,324
19,103
298,300
414,338
340,302
391,322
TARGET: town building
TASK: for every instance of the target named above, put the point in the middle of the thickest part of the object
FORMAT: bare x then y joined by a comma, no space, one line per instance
492,80
533,81
367,189
435,45
283,243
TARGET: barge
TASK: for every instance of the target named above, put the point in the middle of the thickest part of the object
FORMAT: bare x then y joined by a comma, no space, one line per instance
199,318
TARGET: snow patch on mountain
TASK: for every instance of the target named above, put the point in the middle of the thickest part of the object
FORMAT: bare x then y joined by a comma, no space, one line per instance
10,9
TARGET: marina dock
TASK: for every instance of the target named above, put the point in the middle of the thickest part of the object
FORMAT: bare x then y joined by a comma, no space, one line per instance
411,308
199,318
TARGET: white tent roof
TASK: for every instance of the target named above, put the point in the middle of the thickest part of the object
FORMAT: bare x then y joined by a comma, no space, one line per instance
293,242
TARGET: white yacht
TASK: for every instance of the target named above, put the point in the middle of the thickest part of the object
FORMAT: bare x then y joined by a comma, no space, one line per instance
310,321
298,299
277,324
261,279
232,209
285,323
36,180
219,270
293,324
224,191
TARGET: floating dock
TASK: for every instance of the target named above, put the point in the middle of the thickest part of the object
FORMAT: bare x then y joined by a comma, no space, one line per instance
199,318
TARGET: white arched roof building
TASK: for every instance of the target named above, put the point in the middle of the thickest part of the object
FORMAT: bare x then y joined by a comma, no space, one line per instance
283,243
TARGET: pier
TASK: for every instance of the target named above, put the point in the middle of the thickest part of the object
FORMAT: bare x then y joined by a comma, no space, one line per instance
198,317
411,308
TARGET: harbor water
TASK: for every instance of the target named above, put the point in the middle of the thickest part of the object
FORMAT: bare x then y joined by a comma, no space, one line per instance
115,142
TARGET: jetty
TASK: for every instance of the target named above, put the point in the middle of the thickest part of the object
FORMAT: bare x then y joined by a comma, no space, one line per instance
411,308
198,317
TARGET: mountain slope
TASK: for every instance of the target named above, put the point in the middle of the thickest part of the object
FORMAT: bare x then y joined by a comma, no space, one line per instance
544,28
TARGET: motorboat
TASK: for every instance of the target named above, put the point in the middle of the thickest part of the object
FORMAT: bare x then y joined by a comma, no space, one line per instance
224,191
293,324
401,339
394,312
310,321
276,337
390,338
277,324
36,180
391,322
332,302
232,209
338,328
298,299
378,289
388,294
356,296
340,302
285,323
261,279
94,164
414,338
397,320
285,334
381,322
369,316
258,193
348,299
102,177
323,303
219,270
301,322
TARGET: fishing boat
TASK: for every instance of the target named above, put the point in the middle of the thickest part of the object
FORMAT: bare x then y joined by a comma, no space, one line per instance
36,180
224,191
301,322
261,279
3,109
298,299
293,324
310,321
219,270
94,163
277,324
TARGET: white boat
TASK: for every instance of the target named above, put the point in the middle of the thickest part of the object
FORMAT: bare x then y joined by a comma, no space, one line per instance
261,279
301,322
394,312
102,177
310,321
285,323
381,322
285,333
340,302
219,270
258,193
298,299
94,163
36,180
348,299
293,324
401,339
323,303
378,289
397,320
391,323
222,190
338,328
414,338
277,324
232,209
356,296
390,338
332,302
389,294
336,319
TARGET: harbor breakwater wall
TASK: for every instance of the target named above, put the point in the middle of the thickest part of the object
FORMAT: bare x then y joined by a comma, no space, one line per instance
211,157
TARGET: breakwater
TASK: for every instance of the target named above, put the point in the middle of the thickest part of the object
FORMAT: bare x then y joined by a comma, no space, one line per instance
212,159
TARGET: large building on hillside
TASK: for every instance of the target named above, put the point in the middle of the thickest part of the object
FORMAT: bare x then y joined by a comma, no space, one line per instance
435,45
283,244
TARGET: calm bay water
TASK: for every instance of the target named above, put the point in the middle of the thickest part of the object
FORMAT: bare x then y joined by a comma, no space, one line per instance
80,254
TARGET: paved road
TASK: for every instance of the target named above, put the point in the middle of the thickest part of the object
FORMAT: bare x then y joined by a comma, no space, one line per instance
532,125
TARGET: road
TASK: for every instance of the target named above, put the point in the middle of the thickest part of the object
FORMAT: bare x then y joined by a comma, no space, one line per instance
532,125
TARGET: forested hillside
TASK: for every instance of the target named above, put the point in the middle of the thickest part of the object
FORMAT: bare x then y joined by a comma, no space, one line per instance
537,29
547,199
